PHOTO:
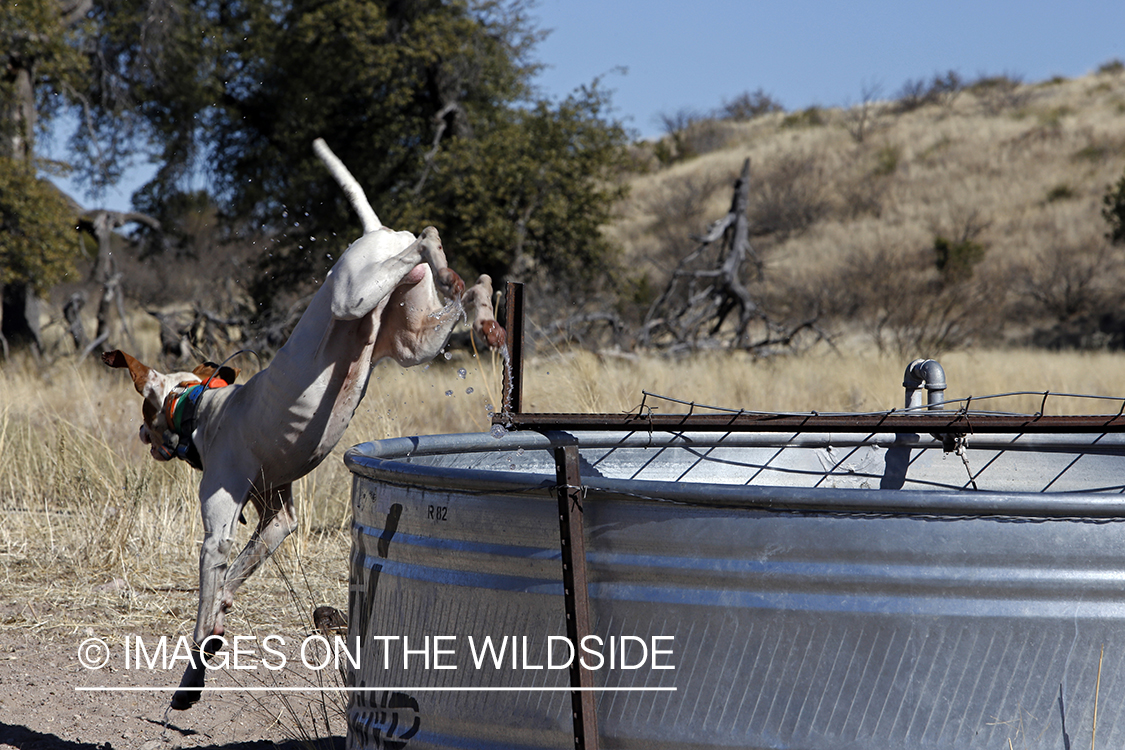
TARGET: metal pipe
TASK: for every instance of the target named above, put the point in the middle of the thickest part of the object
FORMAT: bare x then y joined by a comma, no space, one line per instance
928,374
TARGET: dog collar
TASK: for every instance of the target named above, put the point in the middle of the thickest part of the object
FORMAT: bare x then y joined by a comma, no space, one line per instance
179,409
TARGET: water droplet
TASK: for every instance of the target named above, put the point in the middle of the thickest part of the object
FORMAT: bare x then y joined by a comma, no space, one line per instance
519,451
447,355
461,373
468,390
497,431
449,393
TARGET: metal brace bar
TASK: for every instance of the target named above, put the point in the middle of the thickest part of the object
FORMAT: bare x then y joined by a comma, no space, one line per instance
572,533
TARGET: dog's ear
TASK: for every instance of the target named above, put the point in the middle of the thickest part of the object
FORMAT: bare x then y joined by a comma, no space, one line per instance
137,370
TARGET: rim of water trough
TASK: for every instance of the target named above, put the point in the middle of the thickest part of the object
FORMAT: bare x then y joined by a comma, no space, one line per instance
390,461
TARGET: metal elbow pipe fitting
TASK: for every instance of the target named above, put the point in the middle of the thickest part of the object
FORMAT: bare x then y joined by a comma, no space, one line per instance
928,374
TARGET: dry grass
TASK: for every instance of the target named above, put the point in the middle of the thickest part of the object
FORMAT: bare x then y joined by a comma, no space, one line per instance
85,506
97,534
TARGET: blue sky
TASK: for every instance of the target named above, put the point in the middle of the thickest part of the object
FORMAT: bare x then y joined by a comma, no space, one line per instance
696,55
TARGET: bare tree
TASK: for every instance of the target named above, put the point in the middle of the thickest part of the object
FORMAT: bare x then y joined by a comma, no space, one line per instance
102,223
707,287
860,118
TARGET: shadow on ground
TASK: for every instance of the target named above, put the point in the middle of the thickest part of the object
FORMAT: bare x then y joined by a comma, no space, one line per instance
22,738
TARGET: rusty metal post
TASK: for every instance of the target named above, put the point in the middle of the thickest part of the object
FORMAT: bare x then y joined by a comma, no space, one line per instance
512,389
572,532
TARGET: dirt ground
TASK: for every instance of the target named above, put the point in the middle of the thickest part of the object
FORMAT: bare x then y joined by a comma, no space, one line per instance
41,707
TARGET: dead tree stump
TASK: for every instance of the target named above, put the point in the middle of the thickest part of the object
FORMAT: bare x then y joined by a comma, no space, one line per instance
706,287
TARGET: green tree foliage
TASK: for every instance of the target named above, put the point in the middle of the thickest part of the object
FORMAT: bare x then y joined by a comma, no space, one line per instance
428,103
38,242
956,259
531,194
1114,211
41,64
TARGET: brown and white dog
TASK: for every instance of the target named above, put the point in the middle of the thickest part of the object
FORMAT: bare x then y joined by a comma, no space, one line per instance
383,298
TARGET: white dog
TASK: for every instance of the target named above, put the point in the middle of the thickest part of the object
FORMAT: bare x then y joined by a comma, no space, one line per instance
382,299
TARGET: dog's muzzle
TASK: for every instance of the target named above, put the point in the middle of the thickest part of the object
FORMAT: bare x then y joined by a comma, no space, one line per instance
164,449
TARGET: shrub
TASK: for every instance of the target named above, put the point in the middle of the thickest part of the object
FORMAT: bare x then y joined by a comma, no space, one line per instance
679,211
1069,280
1111,67
689,134
1114,212
911,95
810,117
956,259
1094,152
886,160
942,89
1060,192
788,197
749,105
897,299
1000,92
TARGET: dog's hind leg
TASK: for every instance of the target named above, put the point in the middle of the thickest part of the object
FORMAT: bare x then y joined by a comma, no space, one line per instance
218,583
364,277
277,520
221,508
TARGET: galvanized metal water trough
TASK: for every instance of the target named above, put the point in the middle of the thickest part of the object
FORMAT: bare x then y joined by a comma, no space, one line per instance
744,587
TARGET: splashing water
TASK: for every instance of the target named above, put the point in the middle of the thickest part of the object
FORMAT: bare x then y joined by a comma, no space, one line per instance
506,368
497,431
461,373
453,309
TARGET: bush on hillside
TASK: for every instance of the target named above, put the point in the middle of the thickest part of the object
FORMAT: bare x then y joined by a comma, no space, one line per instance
749,105
1111,67
788,197
942,89
1114,211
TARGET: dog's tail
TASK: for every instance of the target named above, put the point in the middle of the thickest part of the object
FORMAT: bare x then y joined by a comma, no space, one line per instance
348,183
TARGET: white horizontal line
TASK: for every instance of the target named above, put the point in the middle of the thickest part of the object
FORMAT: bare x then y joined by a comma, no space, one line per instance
106,689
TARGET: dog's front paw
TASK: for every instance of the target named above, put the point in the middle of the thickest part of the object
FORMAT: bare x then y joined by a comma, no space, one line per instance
493,333
449,283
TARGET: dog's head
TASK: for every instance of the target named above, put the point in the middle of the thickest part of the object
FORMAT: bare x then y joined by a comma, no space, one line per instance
155,388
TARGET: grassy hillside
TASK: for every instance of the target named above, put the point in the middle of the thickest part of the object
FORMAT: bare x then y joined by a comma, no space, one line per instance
849,203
